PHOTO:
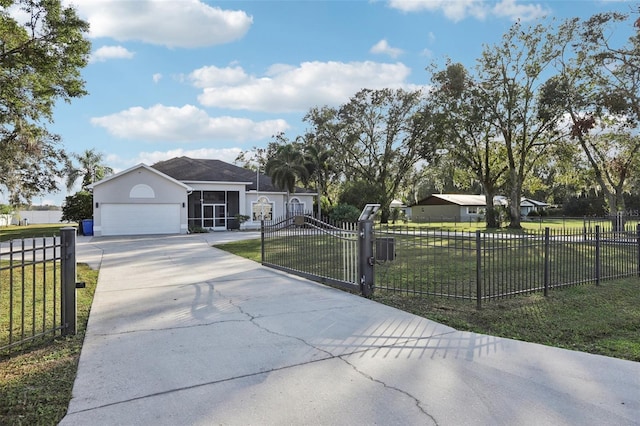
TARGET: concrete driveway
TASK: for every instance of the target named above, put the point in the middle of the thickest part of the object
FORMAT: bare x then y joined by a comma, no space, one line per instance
181,333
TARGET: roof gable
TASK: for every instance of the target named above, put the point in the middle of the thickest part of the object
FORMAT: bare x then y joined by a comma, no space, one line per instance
134,168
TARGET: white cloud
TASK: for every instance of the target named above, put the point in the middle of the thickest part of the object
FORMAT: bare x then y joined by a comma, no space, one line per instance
454,10
426,53
286,88
156,77
524,12
105,53
185,124
457,10
212,76
383,47
181,23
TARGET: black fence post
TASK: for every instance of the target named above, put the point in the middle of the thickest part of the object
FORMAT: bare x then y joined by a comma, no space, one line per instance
478,271
68,273
546,261
638,246
597,255
365,257
262,240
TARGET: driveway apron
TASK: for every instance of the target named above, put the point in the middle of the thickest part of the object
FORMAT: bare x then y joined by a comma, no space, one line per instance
181,333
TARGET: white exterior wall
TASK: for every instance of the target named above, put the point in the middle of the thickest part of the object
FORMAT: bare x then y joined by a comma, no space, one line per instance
279,201
41,216
138,186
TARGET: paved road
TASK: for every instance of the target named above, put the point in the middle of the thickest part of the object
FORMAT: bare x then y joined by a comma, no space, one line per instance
184,334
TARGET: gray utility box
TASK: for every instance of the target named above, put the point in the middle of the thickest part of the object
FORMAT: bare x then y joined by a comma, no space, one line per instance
385,249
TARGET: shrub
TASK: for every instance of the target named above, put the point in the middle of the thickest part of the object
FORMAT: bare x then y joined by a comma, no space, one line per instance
197,230
344,213
77,207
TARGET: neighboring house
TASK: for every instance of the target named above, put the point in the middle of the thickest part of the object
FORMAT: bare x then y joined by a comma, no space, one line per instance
398,204
183,193
527,205
448,207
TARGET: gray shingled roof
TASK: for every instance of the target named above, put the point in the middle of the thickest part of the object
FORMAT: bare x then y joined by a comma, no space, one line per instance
187,169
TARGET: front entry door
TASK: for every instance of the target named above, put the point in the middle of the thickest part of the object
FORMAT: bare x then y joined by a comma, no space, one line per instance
215,217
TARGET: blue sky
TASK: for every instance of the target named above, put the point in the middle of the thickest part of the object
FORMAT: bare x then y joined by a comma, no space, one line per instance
209,79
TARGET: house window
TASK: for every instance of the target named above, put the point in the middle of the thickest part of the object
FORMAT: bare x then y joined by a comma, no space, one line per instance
142,191
296,207
475,210
262,209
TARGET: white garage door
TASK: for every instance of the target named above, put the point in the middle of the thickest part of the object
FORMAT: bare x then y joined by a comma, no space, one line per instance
140,219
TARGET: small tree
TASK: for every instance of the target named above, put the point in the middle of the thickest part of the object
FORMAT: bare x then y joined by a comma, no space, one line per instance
78,207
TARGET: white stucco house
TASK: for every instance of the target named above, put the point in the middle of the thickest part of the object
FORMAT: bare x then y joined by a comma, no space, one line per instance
182,194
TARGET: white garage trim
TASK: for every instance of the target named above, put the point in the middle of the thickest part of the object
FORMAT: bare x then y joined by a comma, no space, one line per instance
140,219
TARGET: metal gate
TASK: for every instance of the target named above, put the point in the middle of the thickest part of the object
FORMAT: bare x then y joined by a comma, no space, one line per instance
336,254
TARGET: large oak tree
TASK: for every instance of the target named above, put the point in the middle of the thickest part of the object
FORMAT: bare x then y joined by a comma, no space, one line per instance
510,75
42,51
598,90
376,138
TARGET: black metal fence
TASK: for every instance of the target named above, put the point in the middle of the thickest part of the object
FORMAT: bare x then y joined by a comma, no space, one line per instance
314,249
475,266
483,266
37,289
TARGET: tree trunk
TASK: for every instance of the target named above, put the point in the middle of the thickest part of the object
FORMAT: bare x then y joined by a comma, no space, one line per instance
384,214
319,208
617,210
490,214
514,207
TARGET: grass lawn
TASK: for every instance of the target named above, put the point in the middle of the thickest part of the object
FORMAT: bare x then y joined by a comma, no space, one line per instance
44,230
533,224
36,383
601,320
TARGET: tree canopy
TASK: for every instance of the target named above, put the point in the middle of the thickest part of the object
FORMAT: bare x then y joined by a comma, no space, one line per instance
376,138
40,63
550,111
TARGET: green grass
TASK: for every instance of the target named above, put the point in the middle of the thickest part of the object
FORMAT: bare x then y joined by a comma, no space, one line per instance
532,224
601,320
36,381
249,249
32,294
32,231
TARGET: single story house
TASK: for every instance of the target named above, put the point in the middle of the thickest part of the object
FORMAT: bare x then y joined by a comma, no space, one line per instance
463,207
448,207
182,194
527,205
